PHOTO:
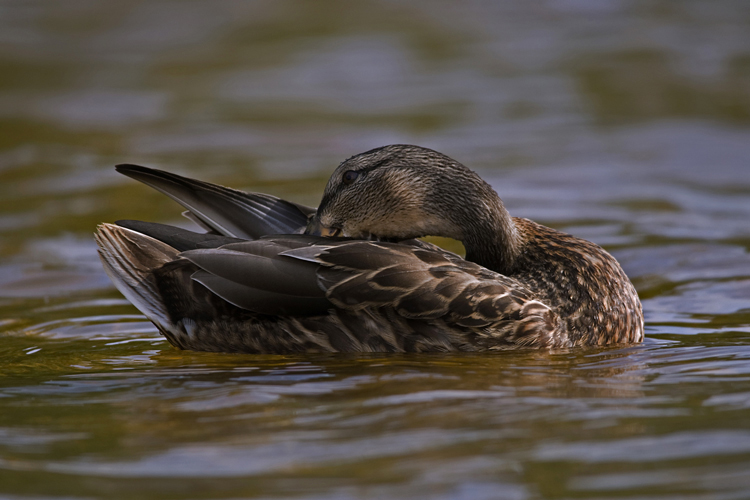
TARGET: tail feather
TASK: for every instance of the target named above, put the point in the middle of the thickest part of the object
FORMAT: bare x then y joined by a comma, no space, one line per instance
129,258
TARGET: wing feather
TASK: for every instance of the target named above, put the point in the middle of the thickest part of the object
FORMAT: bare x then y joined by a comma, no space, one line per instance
424,283
261,301
227,211
178,238
274,274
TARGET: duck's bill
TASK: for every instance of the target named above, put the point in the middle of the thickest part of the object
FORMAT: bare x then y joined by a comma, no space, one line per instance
315,228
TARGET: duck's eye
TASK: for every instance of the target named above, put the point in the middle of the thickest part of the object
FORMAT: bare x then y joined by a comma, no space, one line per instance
350,176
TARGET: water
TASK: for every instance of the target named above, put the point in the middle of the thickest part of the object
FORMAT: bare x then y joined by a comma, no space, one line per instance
623,122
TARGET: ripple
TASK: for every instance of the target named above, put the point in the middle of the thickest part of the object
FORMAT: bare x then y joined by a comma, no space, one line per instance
681,445
618,121
284,454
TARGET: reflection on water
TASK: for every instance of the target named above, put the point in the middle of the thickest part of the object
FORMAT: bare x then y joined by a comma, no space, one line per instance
415,425
623,122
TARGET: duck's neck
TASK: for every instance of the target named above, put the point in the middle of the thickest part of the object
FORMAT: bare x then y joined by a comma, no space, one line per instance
492,239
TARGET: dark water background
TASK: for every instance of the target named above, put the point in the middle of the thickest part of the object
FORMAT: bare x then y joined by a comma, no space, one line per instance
624,122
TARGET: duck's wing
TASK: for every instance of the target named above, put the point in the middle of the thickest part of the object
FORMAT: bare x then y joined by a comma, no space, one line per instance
423,283
256,276
327,286
225,211
301,275
178,238
146,266
415,281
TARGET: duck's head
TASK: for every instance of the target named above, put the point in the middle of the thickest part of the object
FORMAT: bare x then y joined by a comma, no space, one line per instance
400,192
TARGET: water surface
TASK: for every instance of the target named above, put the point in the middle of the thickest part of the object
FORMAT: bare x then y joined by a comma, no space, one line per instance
623,122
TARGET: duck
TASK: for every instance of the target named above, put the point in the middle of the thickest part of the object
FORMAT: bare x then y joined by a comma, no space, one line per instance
269,276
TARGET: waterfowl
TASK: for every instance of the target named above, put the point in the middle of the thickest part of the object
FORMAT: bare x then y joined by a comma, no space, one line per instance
271,276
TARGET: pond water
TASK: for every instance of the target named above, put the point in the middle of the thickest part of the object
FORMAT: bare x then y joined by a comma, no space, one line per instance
623,122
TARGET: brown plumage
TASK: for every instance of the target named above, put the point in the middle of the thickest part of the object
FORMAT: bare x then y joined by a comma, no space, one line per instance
237,289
